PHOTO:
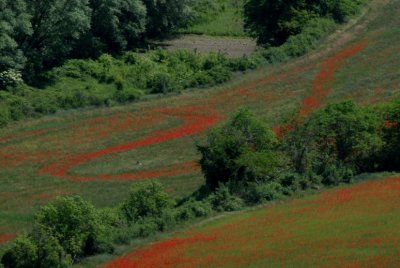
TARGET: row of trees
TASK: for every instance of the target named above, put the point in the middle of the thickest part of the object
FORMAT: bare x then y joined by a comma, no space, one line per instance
37,35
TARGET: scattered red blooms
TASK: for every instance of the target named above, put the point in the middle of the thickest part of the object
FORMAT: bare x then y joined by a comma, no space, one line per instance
390,124
322,85
163,254
4,238
196,118
332,229
193,123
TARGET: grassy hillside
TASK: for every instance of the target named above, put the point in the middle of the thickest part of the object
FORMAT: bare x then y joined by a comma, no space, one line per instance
100,153
355,226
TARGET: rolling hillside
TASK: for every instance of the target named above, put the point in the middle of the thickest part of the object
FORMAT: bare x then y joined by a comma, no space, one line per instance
99,153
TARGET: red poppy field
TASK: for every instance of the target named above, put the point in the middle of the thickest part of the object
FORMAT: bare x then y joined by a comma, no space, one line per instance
99,153
357,226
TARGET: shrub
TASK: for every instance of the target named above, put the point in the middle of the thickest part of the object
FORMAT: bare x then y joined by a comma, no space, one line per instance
300,44
75,223
193,209
261,192
10,78
161,83
242,149
390,157
127,95
23,253
146,200
5,115
342,137
223,200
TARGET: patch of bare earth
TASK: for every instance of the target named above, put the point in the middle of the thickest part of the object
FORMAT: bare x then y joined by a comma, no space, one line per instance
231,46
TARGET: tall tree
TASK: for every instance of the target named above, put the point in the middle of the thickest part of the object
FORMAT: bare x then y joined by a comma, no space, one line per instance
56,25
118,24
14,22
165,15
273,21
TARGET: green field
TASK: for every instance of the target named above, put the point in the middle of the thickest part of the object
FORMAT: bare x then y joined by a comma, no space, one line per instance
99,153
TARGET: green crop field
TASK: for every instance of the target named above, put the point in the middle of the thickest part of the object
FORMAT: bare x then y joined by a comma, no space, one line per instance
99,153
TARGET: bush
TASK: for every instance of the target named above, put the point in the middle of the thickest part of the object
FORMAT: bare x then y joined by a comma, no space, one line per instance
300,44
146,200
261,192
242,149
390,157
65,230
193,209
10,78
75,223
161,83
341,137
5,115
23,253
223,200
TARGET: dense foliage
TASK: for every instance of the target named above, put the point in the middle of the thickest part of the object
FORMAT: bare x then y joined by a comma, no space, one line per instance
38,35
328,148
109,80
242,149
66,230
273,22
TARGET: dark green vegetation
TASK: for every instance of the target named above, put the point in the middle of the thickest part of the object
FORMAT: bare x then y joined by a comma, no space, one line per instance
41,35
108,80
273,22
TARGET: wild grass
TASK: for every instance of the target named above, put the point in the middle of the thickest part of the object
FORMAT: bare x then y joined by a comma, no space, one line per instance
218,18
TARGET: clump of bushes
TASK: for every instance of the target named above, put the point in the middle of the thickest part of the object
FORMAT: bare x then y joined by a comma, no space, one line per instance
109,80
64,232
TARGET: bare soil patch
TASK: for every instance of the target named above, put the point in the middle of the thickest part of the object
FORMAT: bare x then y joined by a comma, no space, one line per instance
233,47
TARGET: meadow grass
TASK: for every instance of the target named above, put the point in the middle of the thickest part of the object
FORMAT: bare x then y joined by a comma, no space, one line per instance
223,18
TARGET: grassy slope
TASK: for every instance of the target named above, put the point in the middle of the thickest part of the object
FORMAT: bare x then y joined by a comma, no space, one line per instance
357,226
275,93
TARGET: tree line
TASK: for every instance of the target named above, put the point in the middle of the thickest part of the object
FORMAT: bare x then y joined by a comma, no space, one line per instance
37,35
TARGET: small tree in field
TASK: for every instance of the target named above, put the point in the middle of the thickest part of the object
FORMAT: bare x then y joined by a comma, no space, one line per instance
240,151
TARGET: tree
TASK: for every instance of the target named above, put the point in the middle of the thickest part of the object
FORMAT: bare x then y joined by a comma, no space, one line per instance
241,150
341,136
117,24
73,222
166,15
146,200
272,22
14,22
391,136
56,25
